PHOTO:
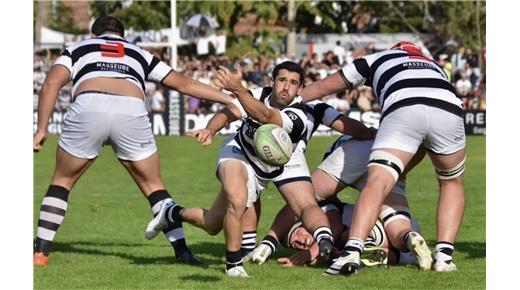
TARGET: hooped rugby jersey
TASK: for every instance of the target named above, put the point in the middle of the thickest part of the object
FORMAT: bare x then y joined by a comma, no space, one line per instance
111,56
319,113
294,123
401,79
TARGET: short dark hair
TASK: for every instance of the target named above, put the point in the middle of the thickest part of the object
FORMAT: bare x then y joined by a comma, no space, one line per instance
290,66
106,24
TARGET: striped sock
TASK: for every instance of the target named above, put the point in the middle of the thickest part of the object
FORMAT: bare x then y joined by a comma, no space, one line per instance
174,231
233,259
323,233
248,242
354,245
52,212
444,251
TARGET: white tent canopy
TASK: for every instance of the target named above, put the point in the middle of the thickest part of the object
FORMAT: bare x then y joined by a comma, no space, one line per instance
155,38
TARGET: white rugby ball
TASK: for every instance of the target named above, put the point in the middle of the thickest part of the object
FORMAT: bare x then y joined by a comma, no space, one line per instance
273,145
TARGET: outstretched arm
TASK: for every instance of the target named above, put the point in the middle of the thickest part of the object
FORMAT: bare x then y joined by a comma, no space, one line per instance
355,128
329,85
221,119
189,86
254,108
57,77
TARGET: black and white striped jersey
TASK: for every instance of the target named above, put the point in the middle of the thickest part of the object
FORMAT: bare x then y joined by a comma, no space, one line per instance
399,78
294,123
319,113
111,56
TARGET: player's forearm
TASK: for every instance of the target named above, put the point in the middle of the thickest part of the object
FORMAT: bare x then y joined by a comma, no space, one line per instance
46,101
202,91
223,117
352,127
256,109
217,122
188,86
330,85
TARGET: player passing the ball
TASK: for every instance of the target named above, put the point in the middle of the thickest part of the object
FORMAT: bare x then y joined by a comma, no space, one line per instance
242,174
419,106
107,75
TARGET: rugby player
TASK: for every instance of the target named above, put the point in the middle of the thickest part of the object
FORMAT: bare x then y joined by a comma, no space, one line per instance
242,174
108,77
419,106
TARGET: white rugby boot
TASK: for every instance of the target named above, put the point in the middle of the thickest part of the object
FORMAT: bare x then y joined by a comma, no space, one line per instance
348,263
237,271
442,266
159,222
420,250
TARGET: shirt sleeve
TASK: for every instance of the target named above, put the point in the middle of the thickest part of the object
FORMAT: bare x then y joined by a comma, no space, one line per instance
158,70
324,113
294,120
355,74
65,59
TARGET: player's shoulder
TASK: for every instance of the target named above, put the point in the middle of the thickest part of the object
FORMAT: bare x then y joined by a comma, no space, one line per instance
260,93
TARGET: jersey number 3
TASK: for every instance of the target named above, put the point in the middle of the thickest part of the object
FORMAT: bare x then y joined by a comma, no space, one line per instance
113,49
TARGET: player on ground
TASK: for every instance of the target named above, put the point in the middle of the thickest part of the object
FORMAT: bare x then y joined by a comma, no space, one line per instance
344,164
419,106
242,174
339,213
107,75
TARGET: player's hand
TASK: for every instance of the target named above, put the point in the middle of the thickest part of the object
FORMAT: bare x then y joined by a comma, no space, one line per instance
260,254
231,81
203,136
297,259
39,140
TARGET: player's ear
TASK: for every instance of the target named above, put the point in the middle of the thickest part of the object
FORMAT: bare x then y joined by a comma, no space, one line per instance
300,88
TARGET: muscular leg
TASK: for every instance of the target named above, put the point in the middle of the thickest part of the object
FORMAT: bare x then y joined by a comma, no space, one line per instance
147,175
54,205
368,205
233,177
450,208
249,227
396,229
300,197
324,185
208,220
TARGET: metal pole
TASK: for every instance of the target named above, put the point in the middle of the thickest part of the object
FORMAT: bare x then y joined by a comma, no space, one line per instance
291,37
173,38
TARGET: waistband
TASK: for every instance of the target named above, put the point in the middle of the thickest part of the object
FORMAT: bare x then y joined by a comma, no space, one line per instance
443,105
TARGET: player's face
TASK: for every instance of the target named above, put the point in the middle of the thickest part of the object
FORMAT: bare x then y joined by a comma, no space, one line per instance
301,239
286,87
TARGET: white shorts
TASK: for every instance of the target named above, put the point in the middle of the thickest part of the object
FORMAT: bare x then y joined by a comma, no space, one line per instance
230,150
406,128
96,119
296,169
348,164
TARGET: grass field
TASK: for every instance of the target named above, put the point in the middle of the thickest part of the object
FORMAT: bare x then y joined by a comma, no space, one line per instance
101,243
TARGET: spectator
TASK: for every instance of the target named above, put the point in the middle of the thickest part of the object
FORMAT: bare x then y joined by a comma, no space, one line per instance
463,89
340,53
458,60
202,45
220,43
157,104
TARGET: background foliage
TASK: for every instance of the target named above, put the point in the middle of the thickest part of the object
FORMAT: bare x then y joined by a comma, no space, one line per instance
446,20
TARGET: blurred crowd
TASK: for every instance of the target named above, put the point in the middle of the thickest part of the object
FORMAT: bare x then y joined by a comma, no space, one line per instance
465,69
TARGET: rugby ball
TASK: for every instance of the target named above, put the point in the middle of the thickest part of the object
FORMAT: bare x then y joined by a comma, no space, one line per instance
273,145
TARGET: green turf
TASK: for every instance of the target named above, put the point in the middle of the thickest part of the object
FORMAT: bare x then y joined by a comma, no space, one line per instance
101,243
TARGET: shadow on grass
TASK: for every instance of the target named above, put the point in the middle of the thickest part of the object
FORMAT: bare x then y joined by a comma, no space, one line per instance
212,253
474,250
79,247
200,278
